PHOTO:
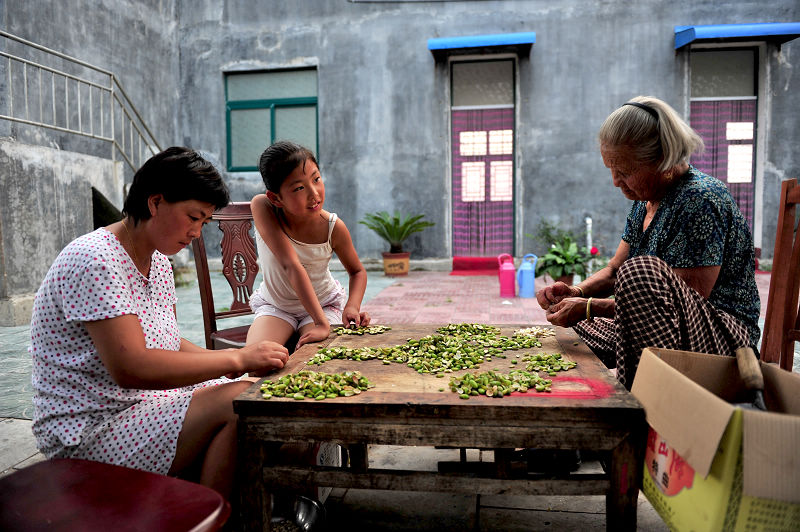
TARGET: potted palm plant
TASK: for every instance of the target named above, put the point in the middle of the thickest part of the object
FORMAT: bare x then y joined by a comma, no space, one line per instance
395,229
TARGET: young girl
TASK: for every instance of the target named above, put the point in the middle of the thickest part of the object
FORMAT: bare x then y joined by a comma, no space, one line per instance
296,239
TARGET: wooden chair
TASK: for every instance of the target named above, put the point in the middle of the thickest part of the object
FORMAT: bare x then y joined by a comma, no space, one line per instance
70,494
782,322
240,268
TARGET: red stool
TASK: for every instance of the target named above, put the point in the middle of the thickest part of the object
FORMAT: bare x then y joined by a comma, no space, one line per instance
73,495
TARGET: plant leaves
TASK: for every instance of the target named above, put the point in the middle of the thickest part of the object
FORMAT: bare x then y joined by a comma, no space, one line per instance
396,228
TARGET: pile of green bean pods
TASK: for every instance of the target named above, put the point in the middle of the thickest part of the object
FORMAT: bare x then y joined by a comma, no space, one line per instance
552,363
455,347
464,346
316,385
494,384
370,329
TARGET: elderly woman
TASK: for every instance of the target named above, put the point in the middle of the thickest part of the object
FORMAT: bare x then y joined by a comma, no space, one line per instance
113,380
683,276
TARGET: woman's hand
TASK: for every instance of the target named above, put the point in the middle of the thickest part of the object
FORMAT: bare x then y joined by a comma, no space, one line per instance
316,334
261,358
553,294
352,315
567,312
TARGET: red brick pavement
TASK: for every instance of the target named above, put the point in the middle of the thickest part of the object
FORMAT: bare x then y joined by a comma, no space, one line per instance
438,297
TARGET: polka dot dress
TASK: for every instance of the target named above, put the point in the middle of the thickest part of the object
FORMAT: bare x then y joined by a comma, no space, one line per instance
79,411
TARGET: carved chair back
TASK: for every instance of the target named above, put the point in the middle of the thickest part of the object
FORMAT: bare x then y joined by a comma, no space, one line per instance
240,268
782,322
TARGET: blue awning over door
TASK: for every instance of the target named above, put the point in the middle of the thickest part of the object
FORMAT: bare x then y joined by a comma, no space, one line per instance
779,32
518,43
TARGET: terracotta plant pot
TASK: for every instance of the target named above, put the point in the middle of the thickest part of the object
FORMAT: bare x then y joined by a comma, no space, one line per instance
566,279
395,264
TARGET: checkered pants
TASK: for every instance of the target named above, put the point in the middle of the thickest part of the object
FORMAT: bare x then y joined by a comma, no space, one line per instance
656,308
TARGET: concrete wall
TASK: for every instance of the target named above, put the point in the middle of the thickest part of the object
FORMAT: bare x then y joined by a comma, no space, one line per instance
383,100
46,202
782,158
134,39
46,176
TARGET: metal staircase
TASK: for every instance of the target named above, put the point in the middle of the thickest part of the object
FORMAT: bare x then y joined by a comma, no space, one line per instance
65,94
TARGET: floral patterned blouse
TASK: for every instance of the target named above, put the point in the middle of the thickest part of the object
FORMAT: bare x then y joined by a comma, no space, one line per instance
699,224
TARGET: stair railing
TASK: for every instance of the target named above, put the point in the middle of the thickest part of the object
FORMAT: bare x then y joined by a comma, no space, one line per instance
87,101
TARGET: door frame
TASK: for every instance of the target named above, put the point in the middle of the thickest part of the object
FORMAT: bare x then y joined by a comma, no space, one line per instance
762,120
516,214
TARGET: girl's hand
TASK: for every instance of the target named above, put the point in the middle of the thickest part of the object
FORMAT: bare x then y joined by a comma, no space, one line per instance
551,295
352,315
315,334
261,358
567,312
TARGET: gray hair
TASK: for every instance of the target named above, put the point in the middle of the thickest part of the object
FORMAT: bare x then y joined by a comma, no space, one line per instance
661,137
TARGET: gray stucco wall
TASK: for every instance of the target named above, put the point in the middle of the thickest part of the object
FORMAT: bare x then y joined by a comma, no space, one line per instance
46,202
46,175
782,159
383,100
134,39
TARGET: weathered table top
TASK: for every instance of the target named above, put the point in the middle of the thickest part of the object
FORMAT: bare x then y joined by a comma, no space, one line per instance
586,409
586,396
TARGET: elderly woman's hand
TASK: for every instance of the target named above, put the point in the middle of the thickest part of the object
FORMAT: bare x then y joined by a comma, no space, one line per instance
550,295
567,312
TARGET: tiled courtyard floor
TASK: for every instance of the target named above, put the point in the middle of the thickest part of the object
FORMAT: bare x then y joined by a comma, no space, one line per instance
438,297
421,297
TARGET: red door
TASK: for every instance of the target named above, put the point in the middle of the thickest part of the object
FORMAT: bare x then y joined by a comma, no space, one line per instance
483,181
727,127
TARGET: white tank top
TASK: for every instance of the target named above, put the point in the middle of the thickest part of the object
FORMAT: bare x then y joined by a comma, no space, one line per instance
276,289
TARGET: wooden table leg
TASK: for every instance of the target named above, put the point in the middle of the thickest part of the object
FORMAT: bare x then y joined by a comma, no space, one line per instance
255,500
502,461
627,462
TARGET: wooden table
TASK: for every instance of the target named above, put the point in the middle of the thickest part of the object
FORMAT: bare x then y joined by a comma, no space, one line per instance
587,409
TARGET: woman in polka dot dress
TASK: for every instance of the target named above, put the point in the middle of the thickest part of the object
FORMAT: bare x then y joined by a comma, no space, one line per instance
113,379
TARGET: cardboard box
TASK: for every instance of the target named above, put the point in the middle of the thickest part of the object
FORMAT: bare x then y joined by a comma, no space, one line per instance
711,464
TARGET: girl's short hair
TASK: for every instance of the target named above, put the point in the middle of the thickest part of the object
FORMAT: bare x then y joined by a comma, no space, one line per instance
653,130
179,174
279,160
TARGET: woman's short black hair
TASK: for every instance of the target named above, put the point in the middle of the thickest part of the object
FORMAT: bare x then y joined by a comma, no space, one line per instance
179,174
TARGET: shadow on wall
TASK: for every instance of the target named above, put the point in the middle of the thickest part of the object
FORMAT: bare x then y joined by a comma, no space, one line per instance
103,211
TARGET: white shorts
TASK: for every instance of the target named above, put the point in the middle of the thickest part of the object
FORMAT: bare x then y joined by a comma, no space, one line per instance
332,307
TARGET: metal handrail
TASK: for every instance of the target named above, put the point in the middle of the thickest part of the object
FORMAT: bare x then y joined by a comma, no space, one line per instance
133,139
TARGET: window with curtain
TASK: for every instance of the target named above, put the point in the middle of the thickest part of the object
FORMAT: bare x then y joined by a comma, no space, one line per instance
262,107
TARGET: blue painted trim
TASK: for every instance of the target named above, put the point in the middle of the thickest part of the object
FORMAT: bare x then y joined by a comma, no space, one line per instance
477,41
781,31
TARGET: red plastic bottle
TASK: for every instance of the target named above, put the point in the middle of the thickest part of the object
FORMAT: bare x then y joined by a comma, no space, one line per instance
507,274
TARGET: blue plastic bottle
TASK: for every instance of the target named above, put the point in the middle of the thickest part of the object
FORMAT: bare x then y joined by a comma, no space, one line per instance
526,276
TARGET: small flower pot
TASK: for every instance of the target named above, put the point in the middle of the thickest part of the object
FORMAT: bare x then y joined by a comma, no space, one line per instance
395,264
566,279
